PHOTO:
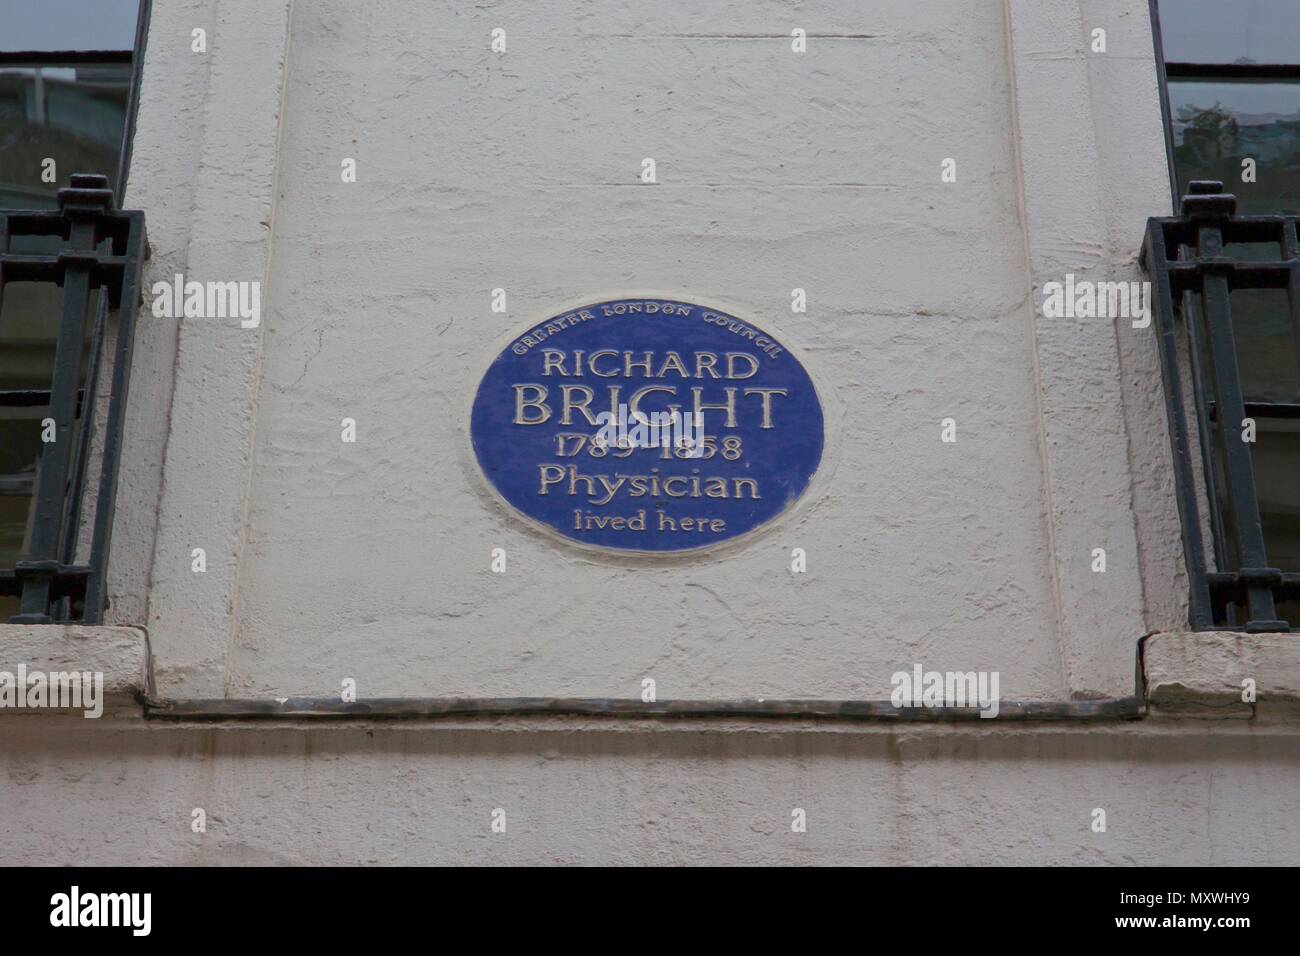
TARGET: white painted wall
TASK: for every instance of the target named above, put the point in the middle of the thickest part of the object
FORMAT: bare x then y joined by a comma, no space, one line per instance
776,170
648,795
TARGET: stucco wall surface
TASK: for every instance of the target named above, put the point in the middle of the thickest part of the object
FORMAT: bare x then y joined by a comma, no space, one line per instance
776,170
386,795
520,170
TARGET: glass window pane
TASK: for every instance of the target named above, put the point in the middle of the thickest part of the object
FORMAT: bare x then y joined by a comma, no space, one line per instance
29,321
29,317
1230,31
30,313
1266,346
20,447
20,453
1276,460
74,114
59,25
1276,456
73,111
1254,251
1219,123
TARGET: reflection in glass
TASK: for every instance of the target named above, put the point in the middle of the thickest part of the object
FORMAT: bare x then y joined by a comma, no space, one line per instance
1266,344
67,25
74,114
20,444
1218,124
1276,456
1240,31
20,447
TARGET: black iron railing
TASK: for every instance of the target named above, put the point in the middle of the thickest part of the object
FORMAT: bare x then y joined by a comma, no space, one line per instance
61,574
1194,266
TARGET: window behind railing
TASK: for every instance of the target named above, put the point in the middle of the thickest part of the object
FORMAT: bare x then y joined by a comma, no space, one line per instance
1231,81
69,74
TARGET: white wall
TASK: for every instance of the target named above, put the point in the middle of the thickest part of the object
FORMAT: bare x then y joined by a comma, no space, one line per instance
477,170
776,170
637,795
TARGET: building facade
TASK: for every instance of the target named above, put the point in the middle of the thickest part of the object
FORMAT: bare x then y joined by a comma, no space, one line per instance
329,634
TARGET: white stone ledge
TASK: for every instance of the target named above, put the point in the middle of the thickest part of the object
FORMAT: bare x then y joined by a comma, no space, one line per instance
121,654
1188,674
1202,674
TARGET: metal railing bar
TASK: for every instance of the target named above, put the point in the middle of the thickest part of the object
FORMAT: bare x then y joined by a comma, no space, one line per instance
1204,429
1264,410
129,295
1155,256
1232,71
1204,273
1239,474
52,472
46,579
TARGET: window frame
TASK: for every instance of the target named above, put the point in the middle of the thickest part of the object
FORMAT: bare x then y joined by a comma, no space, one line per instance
134,56
1190,309
1167,69
129,244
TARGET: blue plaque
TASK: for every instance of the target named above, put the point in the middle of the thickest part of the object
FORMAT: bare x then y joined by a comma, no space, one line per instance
647,425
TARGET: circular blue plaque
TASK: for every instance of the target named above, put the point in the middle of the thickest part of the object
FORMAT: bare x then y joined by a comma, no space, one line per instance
647,425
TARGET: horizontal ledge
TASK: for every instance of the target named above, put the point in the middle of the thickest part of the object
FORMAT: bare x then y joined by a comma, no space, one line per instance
1202,265
398,708
119,653
1206,672
1261,220
1265,410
